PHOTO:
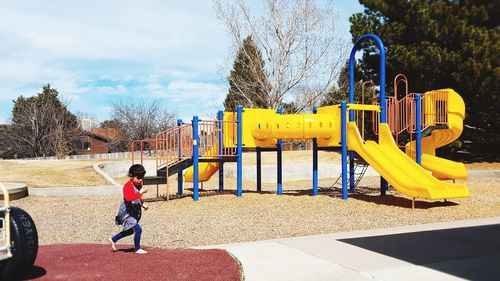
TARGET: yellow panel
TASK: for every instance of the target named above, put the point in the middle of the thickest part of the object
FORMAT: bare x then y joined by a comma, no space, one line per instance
229,129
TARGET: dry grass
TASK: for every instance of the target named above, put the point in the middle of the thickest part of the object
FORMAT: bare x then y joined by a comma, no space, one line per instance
53,173
57,173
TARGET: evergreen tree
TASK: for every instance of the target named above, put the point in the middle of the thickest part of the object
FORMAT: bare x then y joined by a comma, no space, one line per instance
440,44
248,84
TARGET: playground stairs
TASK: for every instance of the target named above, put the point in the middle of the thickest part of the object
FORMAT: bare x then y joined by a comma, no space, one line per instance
174,168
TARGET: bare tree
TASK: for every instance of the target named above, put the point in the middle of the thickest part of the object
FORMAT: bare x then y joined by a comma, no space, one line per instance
300,46
41,130
142,119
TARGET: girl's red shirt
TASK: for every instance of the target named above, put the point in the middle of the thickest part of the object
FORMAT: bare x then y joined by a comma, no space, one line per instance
130,193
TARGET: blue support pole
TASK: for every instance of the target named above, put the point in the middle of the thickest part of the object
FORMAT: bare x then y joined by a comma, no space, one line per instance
279,147
384,185
383,114
418,128
239,151
259,169
220,119
196,157
343,139
315,161
179,174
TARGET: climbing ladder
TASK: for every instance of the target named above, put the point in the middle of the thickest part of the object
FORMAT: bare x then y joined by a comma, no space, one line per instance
360,167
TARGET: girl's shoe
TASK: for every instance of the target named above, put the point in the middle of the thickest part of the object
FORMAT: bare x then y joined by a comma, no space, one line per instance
141,251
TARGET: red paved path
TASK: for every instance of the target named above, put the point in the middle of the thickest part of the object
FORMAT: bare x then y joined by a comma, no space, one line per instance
98,262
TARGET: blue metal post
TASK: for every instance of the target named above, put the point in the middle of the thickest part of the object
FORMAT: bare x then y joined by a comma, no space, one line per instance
418,128
384,185
196,157
279,147
315,161
343,139
220,123
383,114
259,169
351,171
179,174
239,151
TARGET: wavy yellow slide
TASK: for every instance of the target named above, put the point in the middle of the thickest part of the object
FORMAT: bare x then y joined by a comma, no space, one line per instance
399,169
444,168
205,169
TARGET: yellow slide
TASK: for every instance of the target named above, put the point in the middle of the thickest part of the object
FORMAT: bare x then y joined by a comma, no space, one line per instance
399,169
205,172
444,168
205,169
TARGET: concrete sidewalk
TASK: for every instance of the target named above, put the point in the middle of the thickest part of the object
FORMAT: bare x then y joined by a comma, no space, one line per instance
468,249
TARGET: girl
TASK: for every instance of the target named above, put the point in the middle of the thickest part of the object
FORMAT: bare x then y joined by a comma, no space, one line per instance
130,211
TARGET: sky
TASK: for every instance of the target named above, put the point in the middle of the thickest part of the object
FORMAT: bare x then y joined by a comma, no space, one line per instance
99,52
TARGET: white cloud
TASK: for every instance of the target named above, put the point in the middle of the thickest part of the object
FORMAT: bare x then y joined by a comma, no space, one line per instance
96,51
111,90
196,91
146,30
106,48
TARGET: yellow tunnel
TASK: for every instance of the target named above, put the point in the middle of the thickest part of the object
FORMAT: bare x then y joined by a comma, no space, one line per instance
263,127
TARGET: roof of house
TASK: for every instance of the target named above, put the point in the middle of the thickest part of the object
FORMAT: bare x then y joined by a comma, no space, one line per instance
106,134
112,134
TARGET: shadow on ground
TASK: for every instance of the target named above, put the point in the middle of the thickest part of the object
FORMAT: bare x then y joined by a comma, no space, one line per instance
367,194
472,253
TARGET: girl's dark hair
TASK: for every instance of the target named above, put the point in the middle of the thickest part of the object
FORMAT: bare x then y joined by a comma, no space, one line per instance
136,170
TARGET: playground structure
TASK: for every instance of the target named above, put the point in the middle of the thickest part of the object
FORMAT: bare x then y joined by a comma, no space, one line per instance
431,120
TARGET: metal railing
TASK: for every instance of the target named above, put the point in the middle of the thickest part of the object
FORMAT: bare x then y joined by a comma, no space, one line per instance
151,145
401,114
208,131
173,146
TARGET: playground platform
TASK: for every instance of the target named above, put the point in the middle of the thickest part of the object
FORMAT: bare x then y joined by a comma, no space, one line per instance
456,250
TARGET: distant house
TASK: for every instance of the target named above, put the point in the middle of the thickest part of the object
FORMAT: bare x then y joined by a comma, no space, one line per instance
100,140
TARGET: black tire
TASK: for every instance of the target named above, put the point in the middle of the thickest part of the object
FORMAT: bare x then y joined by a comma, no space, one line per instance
24,243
